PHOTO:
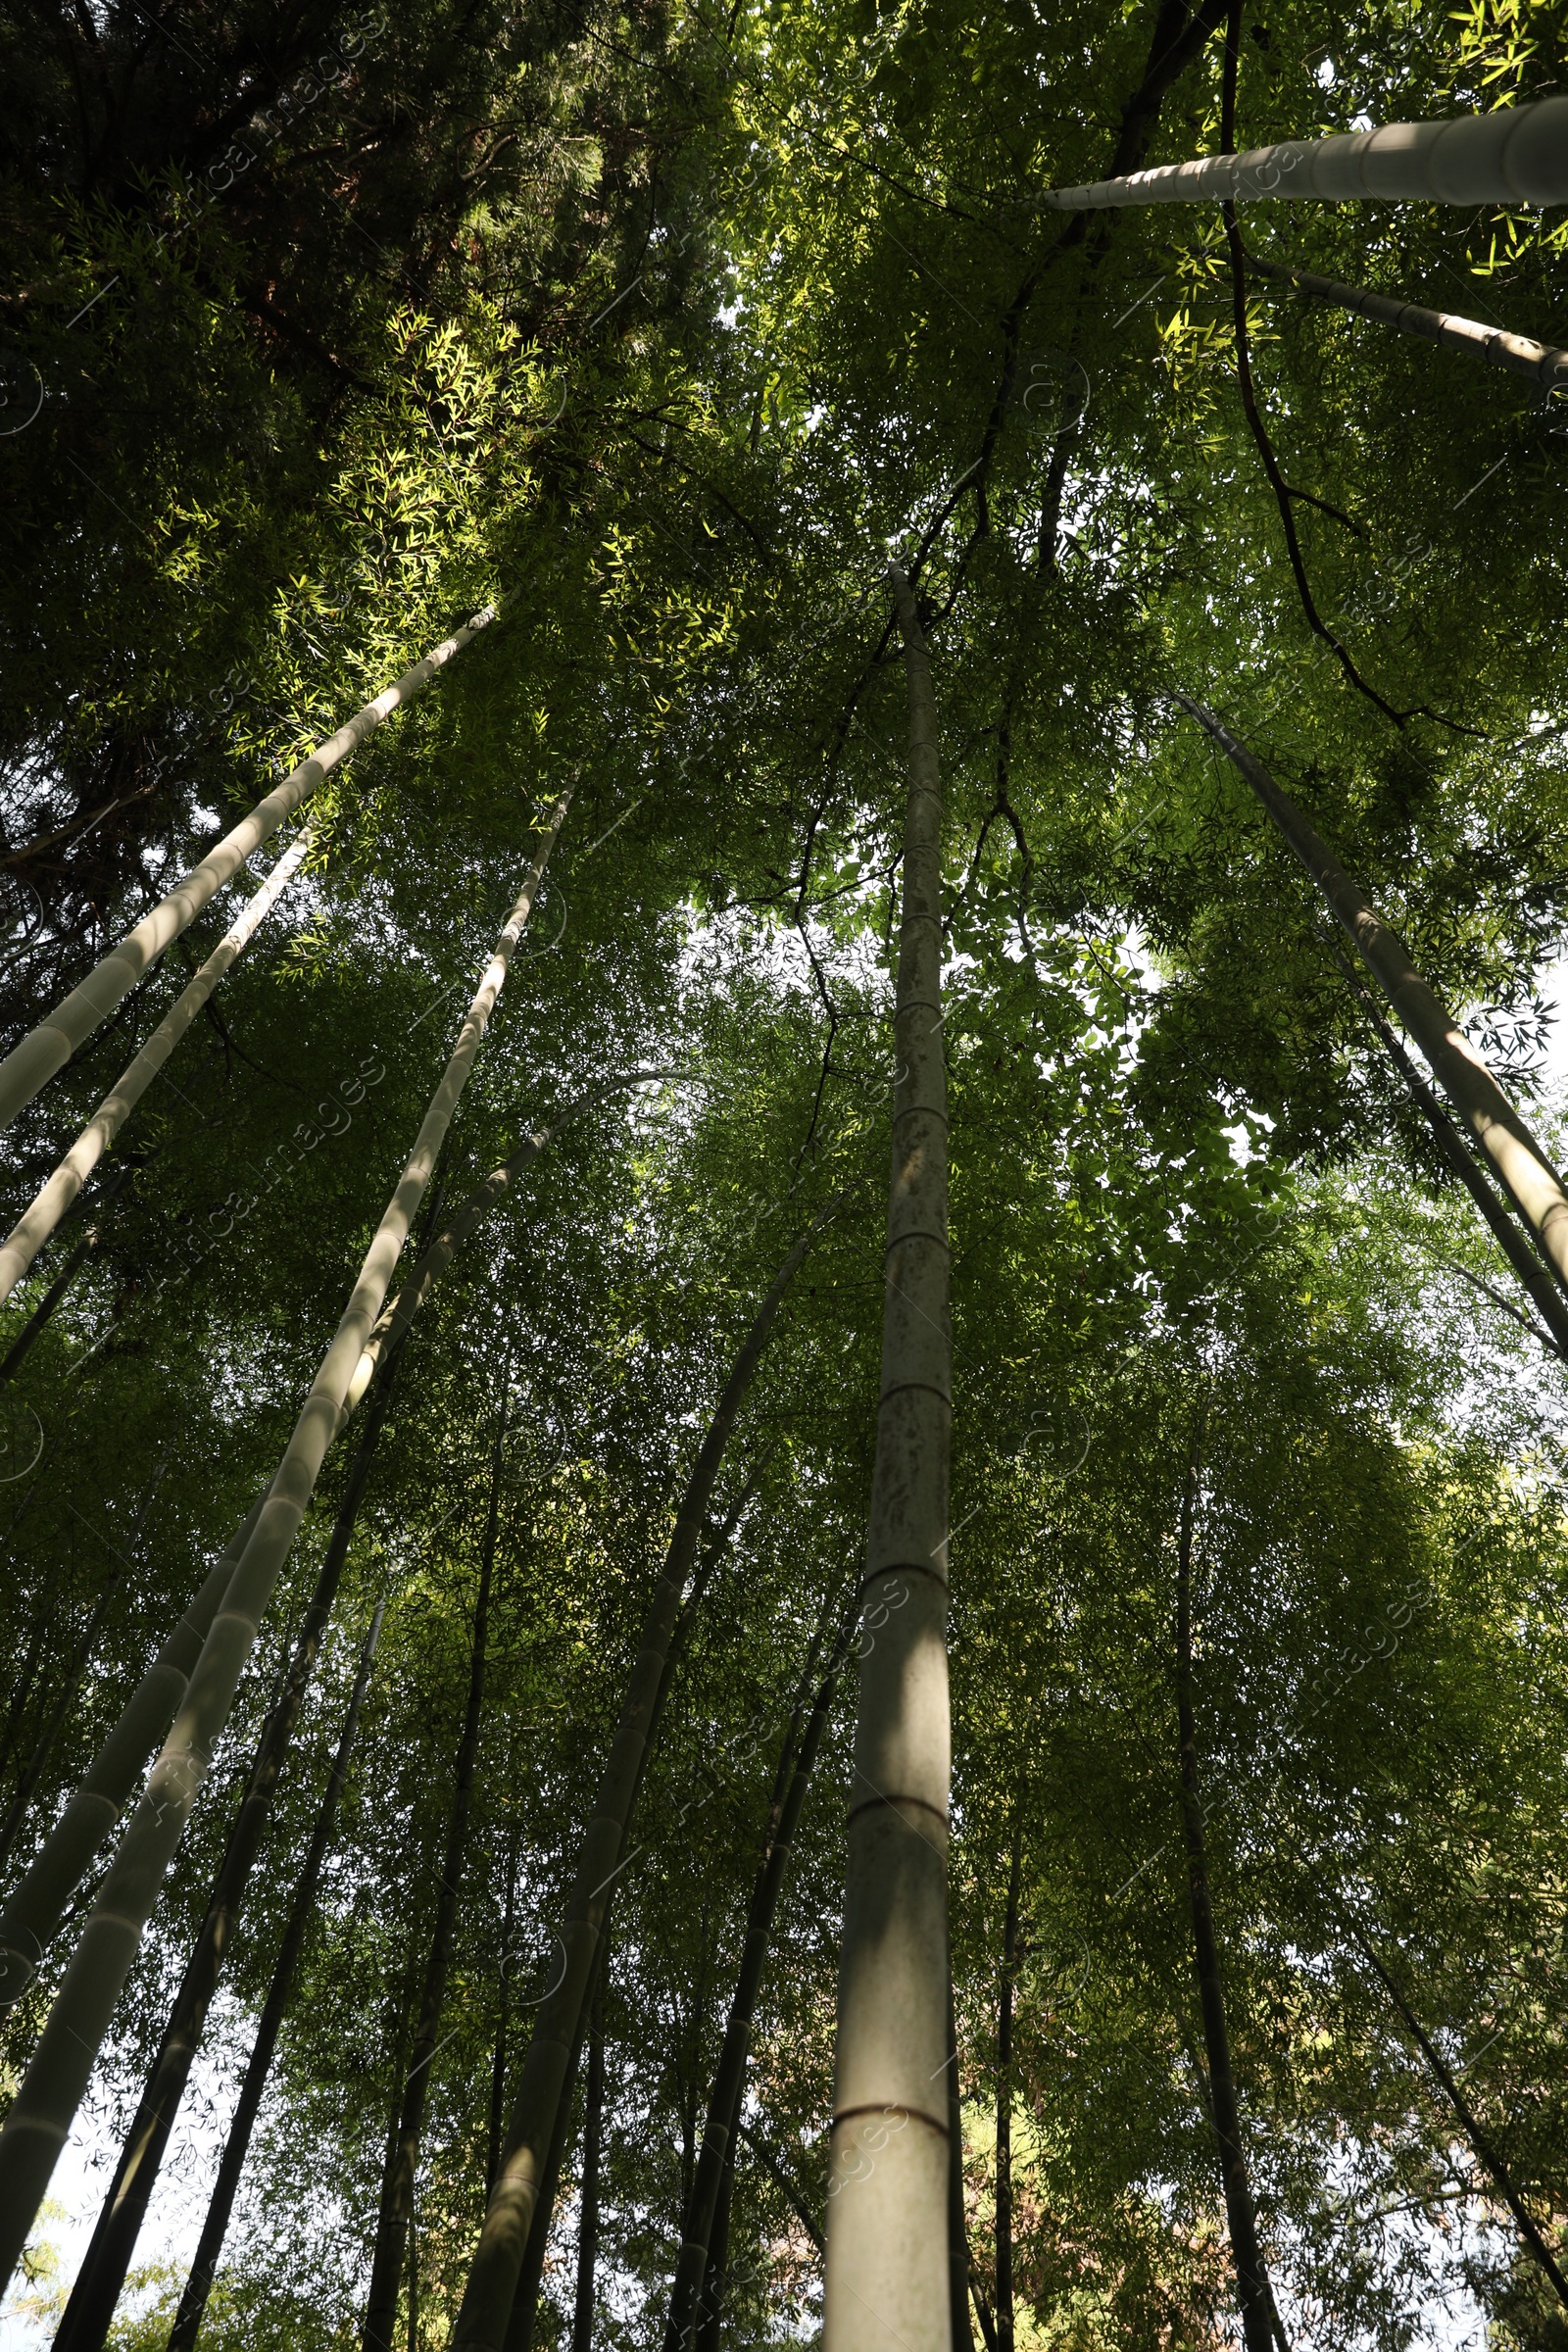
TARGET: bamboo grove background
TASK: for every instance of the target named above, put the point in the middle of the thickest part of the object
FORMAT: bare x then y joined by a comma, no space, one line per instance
322,327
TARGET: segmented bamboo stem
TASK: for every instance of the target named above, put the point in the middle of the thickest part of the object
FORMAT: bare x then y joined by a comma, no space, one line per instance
1517,155
887,2275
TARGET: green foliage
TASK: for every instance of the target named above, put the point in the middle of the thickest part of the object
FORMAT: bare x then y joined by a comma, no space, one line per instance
667,327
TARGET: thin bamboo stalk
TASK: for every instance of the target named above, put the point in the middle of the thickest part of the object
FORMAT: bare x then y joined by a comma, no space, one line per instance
716,2153
887,2239
1478,2140
22,1344
498,2261
1542,363
1535,1278
1515,156
79,1666
1253,2288
33,1911
957,2221
394,2225
54,1197
1523,1168
51,2091
215,2229
498,2067
593,2127
1005,2001
50,1046
90,2309
401,1309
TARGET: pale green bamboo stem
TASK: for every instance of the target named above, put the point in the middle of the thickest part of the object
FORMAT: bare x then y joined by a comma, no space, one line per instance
33,1228
52,2089
1542,363
1516,156
887,2271
1527,1174
48,1048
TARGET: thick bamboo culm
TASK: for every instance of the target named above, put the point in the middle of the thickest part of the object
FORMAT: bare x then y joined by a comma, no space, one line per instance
52,2089
50,1046
1516,156
1485,1111
38,1221
33,1914
887,2274
1542,363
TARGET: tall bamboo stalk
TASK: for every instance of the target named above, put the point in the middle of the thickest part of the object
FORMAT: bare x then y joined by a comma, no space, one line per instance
21,1345
498,2067
1535,1278
1495,346
215,2229
78,1668
498,2260
1517,155
33,1911
716,2149
49,1047
33,1914
54,1197
957,2221
1490,2161
1521,1166
395,2219
525,2295
90,2311
1005,1999
1254,2290
41,2114
887,2239
593,2128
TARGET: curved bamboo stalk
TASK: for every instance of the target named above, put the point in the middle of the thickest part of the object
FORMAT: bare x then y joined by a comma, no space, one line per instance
50,1046
1527,1175
1518,155
215,2229
51,2091
498,2260
887,2274
33,1914
101,2278
1542,363
38,1221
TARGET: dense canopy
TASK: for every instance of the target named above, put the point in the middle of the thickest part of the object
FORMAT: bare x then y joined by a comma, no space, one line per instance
902,605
